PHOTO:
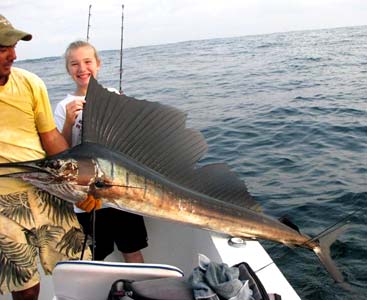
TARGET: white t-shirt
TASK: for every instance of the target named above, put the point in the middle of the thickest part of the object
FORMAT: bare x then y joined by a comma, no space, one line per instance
60,116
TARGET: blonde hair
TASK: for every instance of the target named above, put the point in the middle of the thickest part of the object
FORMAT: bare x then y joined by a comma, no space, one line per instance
76,45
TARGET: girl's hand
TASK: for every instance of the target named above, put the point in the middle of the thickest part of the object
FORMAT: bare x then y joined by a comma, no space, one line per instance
73,109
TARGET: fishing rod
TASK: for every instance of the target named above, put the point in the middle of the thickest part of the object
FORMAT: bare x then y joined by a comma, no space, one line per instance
90,6
121,47
93,212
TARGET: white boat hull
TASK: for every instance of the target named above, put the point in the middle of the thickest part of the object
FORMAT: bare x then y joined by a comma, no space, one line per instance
179,245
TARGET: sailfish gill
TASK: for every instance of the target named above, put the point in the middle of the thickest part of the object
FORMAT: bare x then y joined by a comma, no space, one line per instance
140,157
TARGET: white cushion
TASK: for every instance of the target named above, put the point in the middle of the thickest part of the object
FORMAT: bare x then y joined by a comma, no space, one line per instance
92,280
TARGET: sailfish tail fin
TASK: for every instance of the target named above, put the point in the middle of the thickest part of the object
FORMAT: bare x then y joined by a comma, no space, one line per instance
326,239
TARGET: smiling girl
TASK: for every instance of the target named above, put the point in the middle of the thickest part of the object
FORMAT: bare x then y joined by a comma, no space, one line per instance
113,226
82,61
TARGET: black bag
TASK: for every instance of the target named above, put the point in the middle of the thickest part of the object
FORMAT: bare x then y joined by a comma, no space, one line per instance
154,289
246,273
177,288
117,291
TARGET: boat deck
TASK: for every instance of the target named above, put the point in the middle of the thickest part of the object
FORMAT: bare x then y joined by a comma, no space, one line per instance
178,245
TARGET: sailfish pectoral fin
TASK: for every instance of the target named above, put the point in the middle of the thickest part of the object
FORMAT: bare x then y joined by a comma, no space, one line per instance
89,203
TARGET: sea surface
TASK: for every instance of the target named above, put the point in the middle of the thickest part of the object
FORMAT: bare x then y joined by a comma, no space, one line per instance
286,111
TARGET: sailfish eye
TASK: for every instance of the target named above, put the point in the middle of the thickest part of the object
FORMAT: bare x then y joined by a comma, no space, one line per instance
99,184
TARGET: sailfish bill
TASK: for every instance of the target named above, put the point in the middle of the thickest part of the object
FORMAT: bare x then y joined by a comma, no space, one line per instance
139,156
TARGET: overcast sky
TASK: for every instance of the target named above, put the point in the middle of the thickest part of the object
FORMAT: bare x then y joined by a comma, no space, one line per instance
54,24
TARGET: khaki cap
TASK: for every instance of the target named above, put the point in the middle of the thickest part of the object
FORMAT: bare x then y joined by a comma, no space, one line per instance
9,35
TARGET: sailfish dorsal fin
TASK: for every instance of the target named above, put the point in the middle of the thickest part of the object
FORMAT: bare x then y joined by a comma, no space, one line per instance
156,136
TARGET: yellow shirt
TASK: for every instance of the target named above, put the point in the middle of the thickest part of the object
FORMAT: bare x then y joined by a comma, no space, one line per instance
24,111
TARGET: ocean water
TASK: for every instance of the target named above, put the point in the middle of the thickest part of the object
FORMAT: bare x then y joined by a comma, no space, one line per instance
287,112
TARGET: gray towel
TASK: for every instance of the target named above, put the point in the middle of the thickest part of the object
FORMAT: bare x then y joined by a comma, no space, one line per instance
214,281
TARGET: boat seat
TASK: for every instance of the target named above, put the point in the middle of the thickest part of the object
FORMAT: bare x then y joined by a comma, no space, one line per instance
92,280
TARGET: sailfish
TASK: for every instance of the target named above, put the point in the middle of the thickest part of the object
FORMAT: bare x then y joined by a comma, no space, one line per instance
140,157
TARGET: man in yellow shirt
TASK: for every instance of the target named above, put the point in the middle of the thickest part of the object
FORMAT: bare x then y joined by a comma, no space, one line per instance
32,223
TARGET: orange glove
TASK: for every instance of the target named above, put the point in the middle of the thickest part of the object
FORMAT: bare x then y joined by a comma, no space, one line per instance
89,203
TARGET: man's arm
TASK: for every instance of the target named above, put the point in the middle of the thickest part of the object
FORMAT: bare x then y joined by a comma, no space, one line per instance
53,142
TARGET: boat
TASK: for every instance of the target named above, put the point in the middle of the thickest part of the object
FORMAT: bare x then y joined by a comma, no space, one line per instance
172,252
